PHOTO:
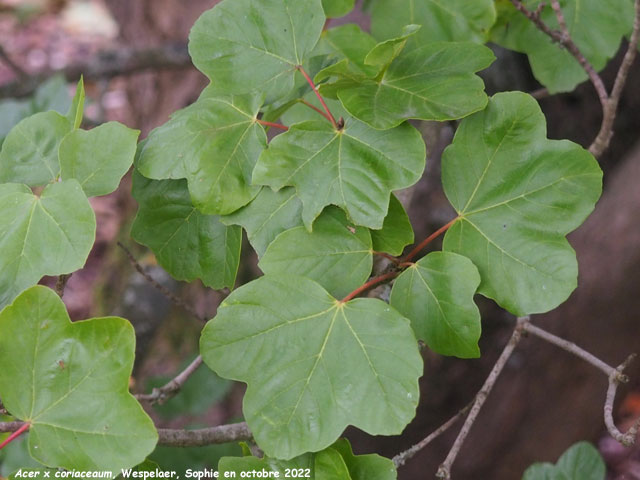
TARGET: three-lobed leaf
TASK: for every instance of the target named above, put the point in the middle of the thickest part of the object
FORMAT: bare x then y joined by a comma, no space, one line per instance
98,158
289,340
355,168
336,254
187,243
518,195
47,235
214,144
245,46
70,381
436,294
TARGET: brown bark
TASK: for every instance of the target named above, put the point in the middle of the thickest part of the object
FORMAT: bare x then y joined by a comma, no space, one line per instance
153,96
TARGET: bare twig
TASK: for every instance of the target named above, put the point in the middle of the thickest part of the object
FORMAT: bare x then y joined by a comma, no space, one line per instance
601,142
164,290
61,283
234,432
164,393
444,471
401,458
571,348
617,377
107,64
6,59
561,21
10,426
564,39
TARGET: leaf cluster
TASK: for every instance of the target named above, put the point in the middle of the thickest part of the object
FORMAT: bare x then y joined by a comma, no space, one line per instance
316,202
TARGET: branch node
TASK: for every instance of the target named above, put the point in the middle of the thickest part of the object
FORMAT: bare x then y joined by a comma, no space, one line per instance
616,378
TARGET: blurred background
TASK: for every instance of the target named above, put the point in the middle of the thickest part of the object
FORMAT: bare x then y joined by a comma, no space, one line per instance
133,55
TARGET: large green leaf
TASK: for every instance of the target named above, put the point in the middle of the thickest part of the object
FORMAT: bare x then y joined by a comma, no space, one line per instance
98,158
433,82
441,20
517,195
187,243
396,232
244,45
596,26
47,235
70,382
335,254
30,150
436,294
290,341
267,215
355,168
580,462
214,144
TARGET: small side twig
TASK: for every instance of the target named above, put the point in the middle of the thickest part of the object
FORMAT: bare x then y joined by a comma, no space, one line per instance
171,388
571,348
561,21
602,140
161,288
616,378
401,458
444,472
564,39
61,283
